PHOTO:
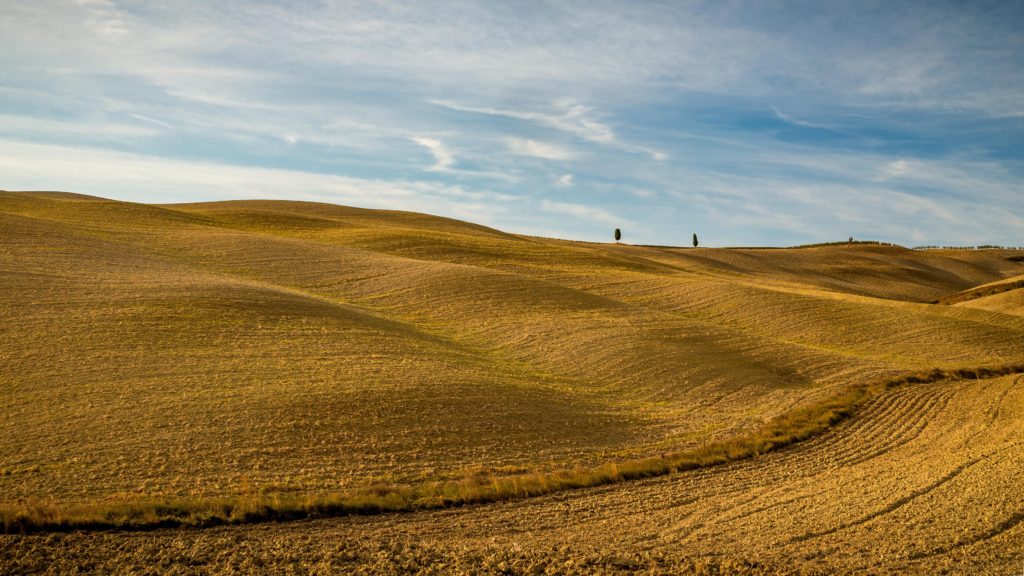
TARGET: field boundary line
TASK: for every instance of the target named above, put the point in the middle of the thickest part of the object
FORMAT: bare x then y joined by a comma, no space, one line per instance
784,430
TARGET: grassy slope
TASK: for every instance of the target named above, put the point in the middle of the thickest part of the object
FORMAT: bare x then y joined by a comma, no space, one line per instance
197,349
1004,302
1004,296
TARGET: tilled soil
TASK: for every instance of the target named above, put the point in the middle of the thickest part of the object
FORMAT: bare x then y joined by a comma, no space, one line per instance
925,480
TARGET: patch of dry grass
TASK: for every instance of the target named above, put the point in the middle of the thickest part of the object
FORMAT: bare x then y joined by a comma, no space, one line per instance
981,292
261,506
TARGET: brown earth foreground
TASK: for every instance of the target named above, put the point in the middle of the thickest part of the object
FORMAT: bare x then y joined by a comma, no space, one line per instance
926,480
295,351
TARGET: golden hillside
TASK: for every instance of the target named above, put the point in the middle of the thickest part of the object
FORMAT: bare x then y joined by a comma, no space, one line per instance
1006,296
216,349
188,349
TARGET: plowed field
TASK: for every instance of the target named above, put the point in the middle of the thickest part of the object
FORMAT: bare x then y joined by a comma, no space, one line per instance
275,348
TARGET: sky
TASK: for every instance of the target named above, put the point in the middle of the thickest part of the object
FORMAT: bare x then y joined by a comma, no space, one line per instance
748,123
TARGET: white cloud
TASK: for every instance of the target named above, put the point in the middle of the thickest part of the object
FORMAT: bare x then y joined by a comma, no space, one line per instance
443,157
896,168
564,181
156,121
104,18
526,147
82,127
642,192
589,213
572,117
798,122
576,118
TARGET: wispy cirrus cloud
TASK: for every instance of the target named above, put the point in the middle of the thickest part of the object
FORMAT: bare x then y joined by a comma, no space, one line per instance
527,147
895,168
797,121
443,157
568,117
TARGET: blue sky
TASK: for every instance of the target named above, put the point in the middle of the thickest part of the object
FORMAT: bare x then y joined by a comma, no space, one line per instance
750,123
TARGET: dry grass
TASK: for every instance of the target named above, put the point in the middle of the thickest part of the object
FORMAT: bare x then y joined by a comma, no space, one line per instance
981,292
922,481
170,355
260,506
1011,303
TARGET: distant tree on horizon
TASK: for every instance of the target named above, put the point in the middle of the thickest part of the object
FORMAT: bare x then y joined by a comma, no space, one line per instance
694,239
618,234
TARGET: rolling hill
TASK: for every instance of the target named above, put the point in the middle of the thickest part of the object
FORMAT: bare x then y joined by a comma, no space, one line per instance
215,349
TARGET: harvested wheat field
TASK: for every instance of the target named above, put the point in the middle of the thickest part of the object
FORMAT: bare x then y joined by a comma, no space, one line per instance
270,386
